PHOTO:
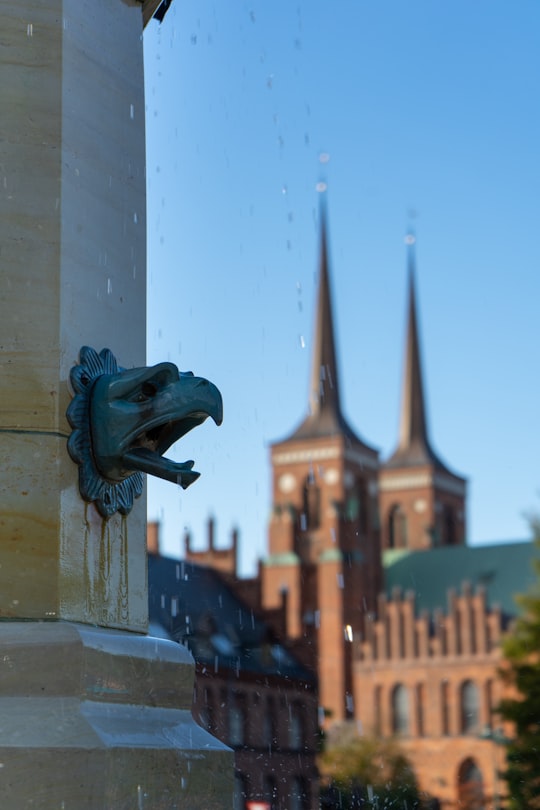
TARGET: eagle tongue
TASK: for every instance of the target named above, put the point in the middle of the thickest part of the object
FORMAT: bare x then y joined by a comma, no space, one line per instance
148,461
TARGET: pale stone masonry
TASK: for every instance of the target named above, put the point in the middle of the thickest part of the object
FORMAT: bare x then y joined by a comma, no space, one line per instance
92,717
73,255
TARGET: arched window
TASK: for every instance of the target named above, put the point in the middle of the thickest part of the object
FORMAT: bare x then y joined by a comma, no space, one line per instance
445,712
470,785
312,504
377,709
363,506
469,708
489,703
400,710
420,700
449,526
397,527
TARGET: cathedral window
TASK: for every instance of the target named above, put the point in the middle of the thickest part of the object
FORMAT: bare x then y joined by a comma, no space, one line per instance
469,708
449,526
397,527
377,707
445,710
400,710
420,700
488,697
312,504
357,506
470,784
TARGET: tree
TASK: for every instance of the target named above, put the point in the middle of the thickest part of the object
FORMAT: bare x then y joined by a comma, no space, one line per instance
367,772
521,651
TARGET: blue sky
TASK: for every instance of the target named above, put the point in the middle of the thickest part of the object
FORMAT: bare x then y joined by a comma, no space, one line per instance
421,106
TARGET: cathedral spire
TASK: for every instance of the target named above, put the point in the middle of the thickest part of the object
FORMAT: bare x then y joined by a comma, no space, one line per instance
324,388
414,446
325,417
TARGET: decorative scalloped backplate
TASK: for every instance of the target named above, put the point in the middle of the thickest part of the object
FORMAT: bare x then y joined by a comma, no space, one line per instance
108,497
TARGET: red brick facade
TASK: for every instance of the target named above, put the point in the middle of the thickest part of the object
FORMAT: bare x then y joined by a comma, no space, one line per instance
324,553
272,728
428,677
432,681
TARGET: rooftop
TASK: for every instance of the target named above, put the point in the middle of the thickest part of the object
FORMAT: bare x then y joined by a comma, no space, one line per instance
193,605
504,570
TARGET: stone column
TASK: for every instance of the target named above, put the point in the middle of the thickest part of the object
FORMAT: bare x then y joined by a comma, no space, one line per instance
72,259
90,718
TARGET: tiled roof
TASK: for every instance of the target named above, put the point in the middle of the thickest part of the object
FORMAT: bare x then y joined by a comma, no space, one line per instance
195,606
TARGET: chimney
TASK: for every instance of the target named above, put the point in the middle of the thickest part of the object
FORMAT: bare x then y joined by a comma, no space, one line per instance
152,537
187,544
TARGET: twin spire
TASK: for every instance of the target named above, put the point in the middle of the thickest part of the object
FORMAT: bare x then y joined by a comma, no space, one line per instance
414,447
325,416
324,384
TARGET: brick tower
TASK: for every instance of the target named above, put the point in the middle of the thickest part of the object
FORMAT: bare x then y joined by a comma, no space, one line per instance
422,503
324,562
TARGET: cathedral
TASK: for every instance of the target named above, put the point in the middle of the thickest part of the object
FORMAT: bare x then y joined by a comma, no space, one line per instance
369,580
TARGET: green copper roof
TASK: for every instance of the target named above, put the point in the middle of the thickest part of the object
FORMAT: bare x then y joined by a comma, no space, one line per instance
503,569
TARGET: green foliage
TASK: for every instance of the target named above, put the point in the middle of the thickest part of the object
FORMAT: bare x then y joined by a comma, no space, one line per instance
367,772
521,650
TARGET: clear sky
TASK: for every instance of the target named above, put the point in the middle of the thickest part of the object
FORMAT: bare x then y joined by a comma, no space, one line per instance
421,106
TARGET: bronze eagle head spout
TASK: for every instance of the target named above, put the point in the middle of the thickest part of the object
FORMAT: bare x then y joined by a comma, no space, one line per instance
125,420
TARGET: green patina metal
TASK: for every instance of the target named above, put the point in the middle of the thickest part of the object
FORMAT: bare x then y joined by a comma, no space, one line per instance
125,420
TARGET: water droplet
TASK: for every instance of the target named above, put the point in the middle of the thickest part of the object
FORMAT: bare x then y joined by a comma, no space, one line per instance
324,157
320,187
109,286
135,217
302,342
131,111
30,30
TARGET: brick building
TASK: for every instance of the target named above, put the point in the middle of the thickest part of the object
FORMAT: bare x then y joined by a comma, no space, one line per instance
369,578
250,692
